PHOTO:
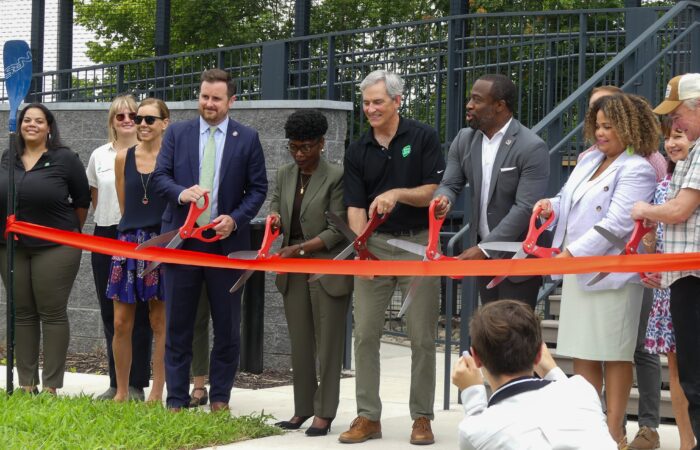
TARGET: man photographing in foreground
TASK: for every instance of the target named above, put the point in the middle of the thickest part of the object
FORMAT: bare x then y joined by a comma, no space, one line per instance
552,412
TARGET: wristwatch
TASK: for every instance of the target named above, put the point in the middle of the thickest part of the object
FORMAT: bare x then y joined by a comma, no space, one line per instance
301,249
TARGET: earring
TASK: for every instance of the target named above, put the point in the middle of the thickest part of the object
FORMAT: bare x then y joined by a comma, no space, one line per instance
323,150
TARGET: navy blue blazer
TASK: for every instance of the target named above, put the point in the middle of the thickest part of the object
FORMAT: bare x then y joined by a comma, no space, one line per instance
242,177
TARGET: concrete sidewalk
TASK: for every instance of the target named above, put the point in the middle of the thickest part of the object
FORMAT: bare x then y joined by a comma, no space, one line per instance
396,420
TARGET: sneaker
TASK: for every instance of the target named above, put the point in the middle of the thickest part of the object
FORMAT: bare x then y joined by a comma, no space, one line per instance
422,434
108,394
361,429
136,394
646,439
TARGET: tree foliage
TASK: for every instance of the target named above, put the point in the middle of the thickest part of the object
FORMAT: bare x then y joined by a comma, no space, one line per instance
125,29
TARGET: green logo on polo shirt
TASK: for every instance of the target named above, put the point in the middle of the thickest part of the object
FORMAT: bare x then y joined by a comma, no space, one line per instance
406,150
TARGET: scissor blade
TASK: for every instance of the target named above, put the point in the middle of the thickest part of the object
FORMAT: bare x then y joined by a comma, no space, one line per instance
597,278
244,254
616,241
241,281
512,247
161,239
174,243
412,288
411,247
520,254
341,225
347,251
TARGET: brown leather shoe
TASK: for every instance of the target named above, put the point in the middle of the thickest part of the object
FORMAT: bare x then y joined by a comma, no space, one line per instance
646,439
218,406
361,429
422,434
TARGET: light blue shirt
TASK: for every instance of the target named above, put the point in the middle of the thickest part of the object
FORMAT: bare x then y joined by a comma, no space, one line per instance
219,139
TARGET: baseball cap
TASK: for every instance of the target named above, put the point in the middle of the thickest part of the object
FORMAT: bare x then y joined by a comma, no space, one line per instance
680,88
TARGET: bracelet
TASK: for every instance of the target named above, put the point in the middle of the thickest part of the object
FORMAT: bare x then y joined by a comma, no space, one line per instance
301,249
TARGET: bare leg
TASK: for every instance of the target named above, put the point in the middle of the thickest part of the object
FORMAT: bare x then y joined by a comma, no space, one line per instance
680,405
124,314
592,371
618,384
157,317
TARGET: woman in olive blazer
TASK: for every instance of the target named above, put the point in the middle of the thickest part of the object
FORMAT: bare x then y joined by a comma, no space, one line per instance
315,311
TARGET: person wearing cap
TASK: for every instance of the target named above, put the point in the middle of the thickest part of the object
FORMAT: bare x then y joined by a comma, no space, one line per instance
681,218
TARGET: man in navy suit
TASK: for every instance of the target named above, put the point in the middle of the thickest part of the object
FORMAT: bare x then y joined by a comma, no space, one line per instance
232,161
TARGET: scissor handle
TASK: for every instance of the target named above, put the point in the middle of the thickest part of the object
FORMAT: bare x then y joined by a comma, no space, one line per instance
374,222
637,234
432,250
188,230
268,238
534,232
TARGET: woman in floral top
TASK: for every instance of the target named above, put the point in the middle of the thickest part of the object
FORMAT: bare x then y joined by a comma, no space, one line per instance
659,335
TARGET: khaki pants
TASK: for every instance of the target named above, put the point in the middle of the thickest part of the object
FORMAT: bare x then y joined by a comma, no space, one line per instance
372,297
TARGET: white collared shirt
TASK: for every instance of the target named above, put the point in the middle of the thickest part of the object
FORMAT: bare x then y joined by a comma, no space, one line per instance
100,175
219,139
489,149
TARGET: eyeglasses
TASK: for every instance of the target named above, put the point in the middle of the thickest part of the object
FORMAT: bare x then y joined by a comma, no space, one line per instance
150,120
304,148
121,116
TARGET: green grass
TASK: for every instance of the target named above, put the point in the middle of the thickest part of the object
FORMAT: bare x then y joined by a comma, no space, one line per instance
47,422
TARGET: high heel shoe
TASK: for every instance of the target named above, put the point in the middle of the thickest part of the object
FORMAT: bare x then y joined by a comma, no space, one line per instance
316,431
289,425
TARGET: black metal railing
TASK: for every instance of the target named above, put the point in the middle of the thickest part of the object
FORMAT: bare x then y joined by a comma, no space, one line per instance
548,54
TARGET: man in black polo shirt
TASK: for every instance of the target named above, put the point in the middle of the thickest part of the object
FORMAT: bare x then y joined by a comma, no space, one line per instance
394,168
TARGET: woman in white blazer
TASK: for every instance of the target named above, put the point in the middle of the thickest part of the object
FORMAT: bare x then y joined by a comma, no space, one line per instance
598,324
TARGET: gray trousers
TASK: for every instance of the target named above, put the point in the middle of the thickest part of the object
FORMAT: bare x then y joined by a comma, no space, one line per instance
43,279
372,297
648,367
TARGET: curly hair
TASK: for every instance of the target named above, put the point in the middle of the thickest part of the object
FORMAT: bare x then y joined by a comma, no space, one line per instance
305,124
633,120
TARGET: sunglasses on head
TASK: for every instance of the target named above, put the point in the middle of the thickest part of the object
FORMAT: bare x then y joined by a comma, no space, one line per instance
150,120
121,116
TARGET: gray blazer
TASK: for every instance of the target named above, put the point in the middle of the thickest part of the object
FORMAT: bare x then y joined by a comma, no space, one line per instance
519,179
324,193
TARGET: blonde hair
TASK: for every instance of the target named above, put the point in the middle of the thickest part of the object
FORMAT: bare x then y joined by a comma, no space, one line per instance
635,123
120,102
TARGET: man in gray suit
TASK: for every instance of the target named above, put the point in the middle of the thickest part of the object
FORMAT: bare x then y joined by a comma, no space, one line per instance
507,167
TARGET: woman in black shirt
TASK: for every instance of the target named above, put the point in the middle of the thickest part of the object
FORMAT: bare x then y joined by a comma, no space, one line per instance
51,189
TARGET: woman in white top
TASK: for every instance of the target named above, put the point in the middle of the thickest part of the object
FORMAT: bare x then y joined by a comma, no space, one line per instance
100,172
598,323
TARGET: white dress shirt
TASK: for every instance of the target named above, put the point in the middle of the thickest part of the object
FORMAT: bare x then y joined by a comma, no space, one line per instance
489,149
100,175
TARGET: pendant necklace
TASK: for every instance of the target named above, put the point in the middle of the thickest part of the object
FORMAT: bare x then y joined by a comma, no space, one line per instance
304,184
144,200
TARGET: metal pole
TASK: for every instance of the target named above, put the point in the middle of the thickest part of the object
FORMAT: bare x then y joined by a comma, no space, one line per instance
37,46
162,44
65,47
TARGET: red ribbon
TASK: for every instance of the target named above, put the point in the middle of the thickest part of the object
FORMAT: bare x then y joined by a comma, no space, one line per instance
509,267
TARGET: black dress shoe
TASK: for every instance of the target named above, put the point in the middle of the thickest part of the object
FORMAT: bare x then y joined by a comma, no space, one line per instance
315,431
289,425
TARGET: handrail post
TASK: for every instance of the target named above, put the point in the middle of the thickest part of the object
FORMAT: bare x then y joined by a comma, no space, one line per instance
275,70
331,75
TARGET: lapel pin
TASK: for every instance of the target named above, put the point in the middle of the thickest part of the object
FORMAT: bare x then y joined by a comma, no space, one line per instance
508,141
235,133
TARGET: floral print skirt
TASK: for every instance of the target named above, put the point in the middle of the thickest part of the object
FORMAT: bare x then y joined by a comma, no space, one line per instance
125,285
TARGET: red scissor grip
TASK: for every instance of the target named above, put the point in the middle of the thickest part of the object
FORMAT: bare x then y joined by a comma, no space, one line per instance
269,237
432,250
188,230
534,232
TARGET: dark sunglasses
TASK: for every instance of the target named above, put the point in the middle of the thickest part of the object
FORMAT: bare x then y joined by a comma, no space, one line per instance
121,116
304,148
150,120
